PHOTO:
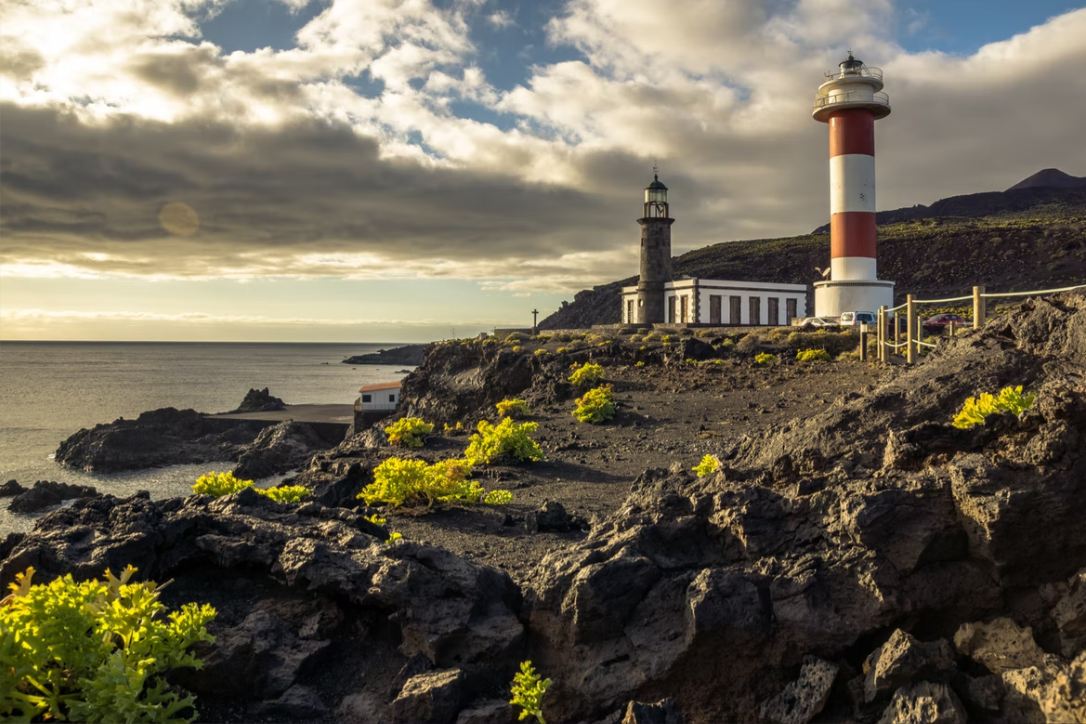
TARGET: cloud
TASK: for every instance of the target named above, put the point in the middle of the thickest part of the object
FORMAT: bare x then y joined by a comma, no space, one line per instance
113,109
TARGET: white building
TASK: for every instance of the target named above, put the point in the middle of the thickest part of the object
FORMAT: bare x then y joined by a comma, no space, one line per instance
727,303
379,397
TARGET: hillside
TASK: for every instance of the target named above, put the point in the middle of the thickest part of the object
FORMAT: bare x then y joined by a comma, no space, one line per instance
1023,238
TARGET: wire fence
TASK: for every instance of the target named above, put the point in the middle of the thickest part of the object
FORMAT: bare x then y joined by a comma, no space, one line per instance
889,341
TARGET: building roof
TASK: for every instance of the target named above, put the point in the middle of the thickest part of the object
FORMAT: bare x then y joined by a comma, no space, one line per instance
378,386
657,183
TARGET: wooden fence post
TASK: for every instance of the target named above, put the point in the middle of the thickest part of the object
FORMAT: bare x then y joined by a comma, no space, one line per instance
978,307
910,329
863,341
880,335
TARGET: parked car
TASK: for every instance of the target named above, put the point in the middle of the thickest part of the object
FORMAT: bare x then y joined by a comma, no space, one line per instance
855,319
940,322
815,322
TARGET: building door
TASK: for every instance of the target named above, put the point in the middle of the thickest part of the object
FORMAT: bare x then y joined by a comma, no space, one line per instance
714,309
774,311
671,310
755,310
684,308
630,318
736,310
790,310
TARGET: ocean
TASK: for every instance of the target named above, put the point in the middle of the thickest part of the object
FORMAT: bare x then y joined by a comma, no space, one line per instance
48,390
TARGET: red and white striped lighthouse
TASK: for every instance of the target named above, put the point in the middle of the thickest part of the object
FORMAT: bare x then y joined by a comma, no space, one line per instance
849,102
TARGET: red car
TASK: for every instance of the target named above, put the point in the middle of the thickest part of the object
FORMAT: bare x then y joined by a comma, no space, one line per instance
940,322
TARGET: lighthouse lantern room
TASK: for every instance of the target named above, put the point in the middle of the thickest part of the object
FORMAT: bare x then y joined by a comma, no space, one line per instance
849,102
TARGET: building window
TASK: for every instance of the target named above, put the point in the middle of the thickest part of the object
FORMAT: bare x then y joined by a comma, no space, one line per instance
392,398
755,310
714,309
630,312
367,398
684,308
774,311
790,310
671,310
735,310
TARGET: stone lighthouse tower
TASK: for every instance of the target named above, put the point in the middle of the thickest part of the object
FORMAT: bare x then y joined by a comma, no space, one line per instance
849,102
655,253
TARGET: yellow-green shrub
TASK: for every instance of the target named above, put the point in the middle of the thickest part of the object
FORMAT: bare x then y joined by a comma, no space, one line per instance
765,358
975,410
595,406
409,432
812,355
506,440
709,464
512,407
217,484
285,493
407,483
587,374
96,651
528,689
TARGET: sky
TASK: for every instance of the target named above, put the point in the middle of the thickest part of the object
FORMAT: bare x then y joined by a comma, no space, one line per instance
401,170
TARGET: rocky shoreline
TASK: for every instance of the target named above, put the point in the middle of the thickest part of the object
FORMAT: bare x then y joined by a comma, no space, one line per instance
410,355
856,557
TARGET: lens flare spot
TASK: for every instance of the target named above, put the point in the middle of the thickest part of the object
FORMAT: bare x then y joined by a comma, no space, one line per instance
179,219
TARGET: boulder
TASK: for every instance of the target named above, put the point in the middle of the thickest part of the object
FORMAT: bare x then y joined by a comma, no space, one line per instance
277,449
260,401
924,703
1000,645
1049,692
434,696
552,517
804,698
660,712
47,493
903,659
1069,615
11,487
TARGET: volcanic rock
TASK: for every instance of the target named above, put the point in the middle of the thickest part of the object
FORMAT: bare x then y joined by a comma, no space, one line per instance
803,698
298,589
408,354
46,493
277,449
903,659
924,703
260,401
167,436
660,712
754,564
11,487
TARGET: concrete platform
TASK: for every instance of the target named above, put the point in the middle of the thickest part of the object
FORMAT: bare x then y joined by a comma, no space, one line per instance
334,414
330,422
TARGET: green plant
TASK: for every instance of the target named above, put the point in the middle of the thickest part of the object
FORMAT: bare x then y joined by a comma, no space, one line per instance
639,363
409,432
285,493
709,464
512,407
975,410
217,484
587,374
540,352
507,440
765,358
408,483
528,690
562,350
812,355
96,651
452,429
595,406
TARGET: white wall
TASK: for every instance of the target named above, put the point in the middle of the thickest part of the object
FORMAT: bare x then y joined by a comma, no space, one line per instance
379,400
744,304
